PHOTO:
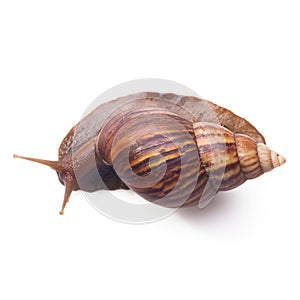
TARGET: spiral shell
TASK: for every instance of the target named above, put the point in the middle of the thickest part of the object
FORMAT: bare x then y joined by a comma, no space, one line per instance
169,160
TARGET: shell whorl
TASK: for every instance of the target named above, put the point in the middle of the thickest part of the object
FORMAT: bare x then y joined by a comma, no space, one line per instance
269,159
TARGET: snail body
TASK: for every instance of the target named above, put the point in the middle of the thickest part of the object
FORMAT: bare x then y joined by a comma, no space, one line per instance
172,150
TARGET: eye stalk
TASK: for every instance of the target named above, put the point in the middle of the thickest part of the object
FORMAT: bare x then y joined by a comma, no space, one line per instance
65,174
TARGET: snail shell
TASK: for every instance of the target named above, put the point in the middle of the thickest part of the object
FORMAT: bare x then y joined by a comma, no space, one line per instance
172,150
206,155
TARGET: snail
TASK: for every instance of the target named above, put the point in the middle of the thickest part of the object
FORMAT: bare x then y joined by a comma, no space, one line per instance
175,151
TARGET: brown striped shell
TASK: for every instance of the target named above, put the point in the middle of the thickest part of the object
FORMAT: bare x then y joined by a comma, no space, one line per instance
170,161
172,150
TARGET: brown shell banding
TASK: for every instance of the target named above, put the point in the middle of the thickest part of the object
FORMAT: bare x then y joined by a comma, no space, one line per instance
152,150
248,156
268,159
218,154
230,158
139,142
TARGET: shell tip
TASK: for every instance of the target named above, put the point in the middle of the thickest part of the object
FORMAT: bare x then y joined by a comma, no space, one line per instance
269,159
277,159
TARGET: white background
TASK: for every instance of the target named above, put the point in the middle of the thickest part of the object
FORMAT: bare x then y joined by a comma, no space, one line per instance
57,57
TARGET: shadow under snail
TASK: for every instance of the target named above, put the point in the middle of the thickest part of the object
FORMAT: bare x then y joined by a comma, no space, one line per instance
173,150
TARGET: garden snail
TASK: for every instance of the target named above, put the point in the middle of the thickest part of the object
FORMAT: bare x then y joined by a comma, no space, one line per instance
172,150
